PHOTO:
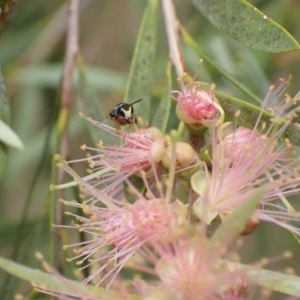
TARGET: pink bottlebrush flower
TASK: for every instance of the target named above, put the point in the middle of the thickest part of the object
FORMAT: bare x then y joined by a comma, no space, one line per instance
197,106
110,165
238,140
279,103
244,160
118,229
190,268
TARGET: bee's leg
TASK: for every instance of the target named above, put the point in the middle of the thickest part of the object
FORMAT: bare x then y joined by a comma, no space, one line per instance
129,122
113,122
107,117
134,123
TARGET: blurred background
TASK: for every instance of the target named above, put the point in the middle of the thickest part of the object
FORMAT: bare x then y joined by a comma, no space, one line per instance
32,51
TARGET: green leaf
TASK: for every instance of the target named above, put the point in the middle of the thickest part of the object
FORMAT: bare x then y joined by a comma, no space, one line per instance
47,75
193,44
250,114
181,189
9,137
4,103
55,282
235,222
293,133
3,158
138,183
275,281
5,117
247,24
140,77
90,105
162,113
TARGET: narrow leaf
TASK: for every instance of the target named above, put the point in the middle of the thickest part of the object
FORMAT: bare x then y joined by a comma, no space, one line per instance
3,158
247,24
235,222
54,282
162,113
293,133
46,75
295,236
4,103
250,114
140,78
91,105
275,281
9,137
5,117
193,44
138,183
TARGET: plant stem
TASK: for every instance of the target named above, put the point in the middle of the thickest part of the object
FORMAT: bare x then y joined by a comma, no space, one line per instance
63,117
172,28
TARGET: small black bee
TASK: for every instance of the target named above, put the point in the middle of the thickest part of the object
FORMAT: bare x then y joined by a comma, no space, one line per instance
123,113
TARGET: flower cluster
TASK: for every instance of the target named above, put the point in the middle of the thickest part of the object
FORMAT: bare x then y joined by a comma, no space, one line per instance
149,200
242,160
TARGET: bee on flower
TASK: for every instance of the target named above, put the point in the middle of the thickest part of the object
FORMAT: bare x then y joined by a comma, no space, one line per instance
123,113
110,164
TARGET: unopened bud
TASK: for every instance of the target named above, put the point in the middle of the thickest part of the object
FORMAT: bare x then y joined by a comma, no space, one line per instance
185,156
157,150
250,226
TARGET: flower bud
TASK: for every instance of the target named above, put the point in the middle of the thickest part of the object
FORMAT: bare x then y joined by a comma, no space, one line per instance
155,132
235,142
185,156
198,107
157,150
251,226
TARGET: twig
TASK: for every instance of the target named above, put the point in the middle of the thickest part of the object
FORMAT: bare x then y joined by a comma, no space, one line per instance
71,51
70,56
172,27
62,122
66,96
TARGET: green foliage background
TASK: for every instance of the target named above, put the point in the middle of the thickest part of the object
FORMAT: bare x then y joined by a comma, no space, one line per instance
32,49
